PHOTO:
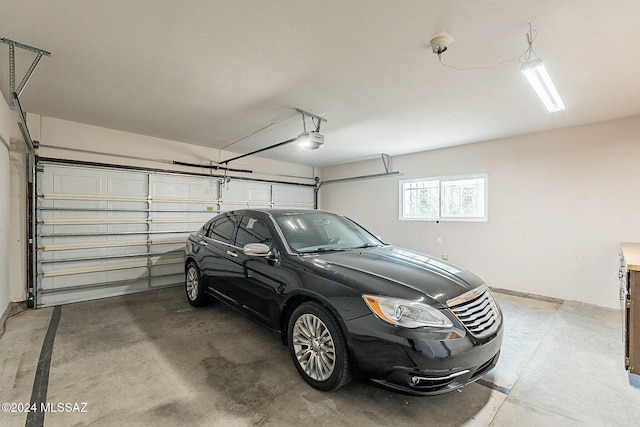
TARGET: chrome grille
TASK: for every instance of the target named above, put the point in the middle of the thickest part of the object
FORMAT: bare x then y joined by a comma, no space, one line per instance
477,311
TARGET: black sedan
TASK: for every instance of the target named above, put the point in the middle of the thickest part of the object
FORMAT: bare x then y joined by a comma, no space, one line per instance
345,302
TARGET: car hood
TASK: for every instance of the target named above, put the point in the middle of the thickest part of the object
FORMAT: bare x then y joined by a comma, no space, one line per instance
396,272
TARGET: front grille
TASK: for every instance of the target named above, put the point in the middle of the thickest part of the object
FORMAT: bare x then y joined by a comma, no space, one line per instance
477,311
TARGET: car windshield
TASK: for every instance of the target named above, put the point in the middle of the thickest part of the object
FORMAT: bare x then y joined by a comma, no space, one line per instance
320,231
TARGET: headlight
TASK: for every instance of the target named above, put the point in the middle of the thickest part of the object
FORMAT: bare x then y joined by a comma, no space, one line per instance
405,313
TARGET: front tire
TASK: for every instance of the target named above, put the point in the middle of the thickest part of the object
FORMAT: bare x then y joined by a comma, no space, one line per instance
318,347
193,286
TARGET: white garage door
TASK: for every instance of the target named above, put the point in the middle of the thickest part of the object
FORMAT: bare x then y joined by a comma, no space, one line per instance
103,232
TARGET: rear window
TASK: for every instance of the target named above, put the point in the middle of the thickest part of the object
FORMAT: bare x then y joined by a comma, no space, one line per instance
222,230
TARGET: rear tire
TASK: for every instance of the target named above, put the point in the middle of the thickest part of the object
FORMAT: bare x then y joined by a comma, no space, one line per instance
193,286
318,347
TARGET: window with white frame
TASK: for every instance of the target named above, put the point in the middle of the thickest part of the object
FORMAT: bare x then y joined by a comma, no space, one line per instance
445,198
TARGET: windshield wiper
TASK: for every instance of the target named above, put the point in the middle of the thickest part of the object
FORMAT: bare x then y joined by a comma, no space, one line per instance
319,250
366,245
315,251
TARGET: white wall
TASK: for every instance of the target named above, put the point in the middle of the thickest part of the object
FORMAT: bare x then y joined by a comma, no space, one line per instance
5,132
560,203
18,225
65,134
57,136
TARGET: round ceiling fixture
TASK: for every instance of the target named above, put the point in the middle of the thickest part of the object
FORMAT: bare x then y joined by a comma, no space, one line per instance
440,42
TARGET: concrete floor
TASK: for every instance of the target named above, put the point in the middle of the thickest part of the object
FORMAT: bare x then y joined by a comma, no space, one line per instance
151,359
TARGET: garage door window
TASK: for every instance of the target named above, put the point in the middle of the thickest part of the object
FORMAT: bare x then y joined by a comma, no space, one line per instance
450,198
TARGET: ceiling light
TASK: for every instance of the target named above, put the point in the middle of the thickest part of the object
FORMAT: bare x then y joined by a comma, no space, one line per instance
311,140
440,42
531,66
539,78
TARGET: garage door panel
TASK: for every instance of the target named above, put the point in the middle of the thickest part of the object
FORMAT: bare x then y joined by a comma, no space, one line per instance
51,229
164,266
59,245
166,246
171,224
128,185
171,212
171,267
168,280
62,217
79,181
126,217
176,226
74,295
93,240
125,205
62,183
97,230
229,206
165,281
291,196
78,268
243,191
180,216
183,188
118,229
207,189
191,206
62,255
91,280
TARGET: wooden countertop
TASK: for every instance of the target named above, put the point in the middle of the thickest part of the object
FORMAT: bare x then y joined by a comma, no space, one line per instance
631,253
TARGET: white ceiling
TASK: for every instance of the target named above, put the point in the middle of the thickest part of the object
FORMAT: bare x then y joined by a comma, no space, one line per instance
211,72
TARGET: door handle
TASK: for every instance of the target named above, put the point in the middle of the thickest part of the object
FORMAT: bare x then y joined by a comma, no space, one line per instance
232,253
203,243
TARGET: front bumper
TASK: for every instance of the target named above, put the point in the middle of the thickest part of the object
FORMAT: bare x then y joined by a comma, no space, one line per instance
419,361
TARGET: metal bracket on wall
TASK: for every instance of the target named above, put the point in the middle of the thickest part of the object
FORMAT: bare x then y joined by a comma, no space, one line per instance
313,116
22,124
32,285
16,92
386,161
12,65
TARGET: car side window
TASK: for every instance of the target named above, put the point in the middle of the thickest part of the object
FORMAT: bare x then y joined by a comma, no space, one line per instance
253,230
222,230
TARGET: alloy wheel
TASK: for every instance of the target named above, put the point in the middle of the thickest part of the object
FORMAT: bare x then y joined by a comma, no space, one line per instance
314,347
192,283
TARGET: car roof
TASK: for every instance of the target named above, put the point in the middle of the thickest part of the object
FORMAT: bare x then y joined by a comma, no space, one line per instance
277,211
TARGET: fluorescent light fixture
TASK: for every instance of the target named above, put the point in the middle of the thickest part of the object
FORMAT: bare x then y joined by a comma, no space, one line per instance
539,79
311,140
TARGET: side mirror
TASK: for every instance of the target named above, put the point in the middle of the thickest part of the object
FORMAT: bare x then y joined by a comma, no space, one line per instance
256,249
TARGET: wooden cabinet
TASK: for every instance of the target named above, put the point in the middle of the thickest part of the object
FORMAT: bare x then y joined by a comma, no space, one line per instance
630,276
